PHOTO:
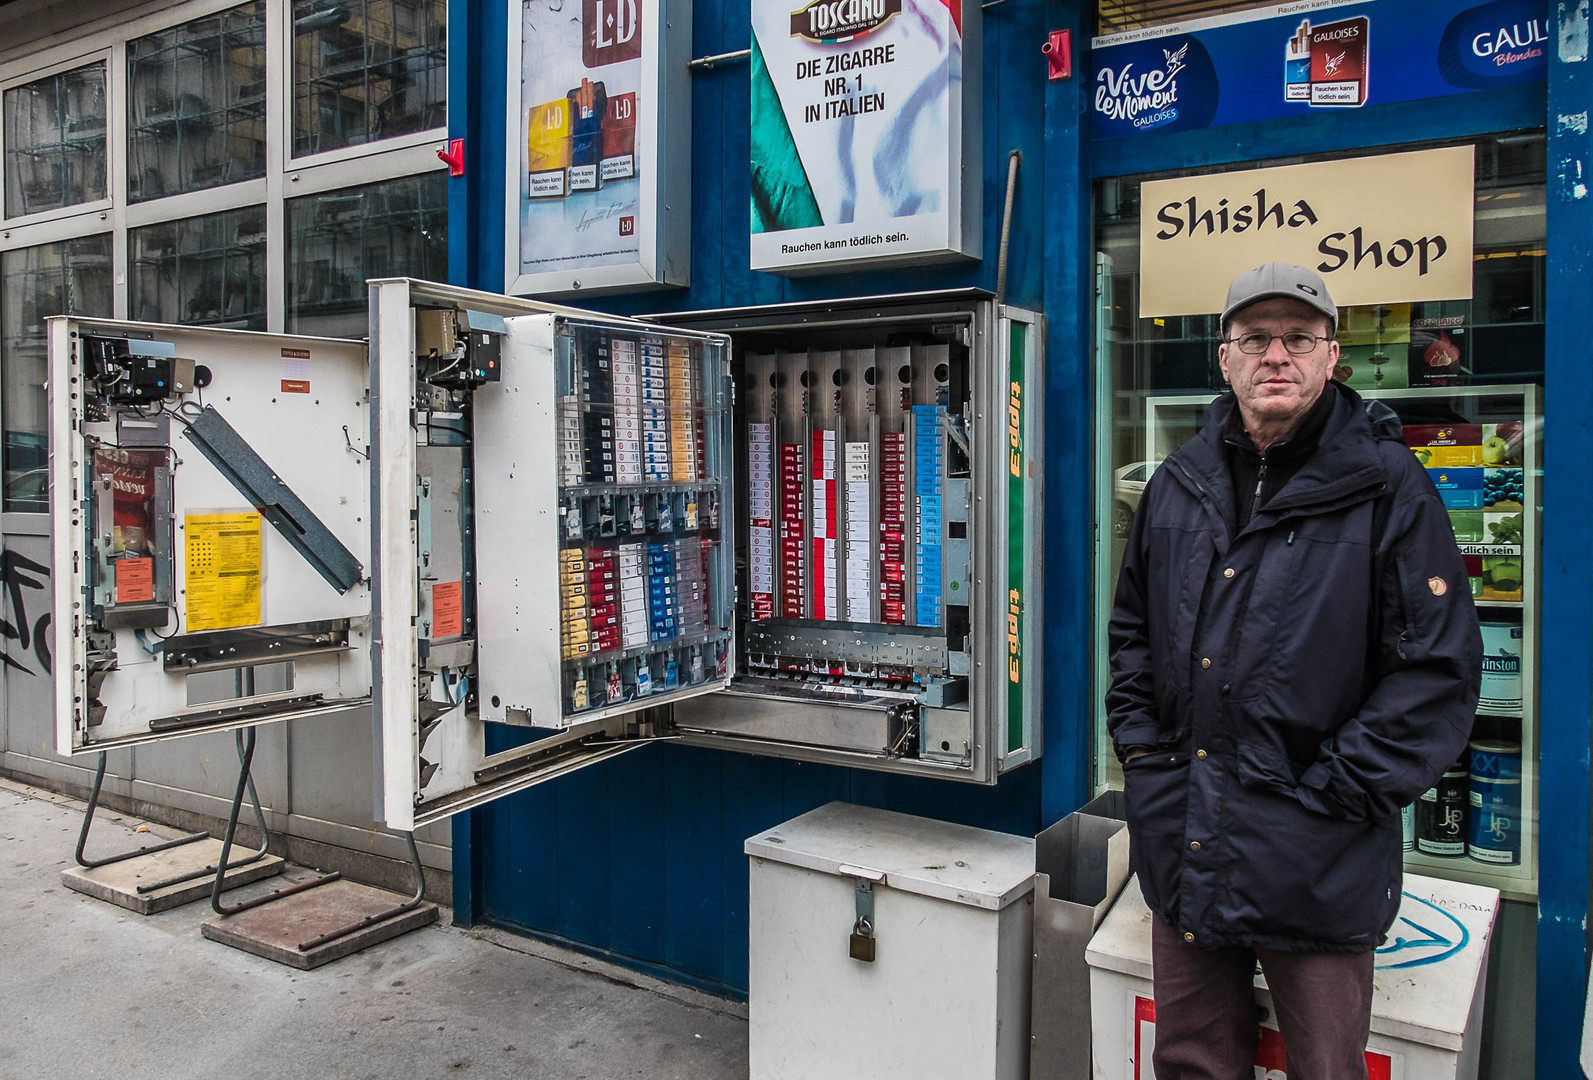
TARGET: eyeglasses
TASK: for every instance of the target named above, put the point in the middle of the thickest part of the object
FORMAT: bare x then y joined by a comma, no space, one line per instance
1298,343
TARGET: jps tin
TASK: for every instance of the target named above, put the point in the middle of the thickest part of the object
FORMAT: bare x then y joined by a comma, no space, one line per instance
1501,666
1441,814
1495,818
1407,825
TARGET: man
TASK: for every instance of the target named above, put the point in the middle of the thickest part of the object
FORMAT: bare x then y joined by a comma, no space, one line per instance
1295,657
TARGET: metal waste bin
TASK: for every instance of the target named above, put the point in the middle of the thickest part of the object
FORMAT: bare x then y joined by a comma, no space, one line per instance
1080,867
949,920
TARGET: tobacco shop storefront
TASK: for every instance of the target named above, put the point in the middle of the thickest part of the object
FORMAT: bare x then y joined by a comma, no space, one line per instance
1401,150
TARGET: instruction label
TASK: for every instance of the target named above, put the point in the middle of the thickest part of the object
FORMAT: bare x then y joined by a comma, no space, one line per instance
135,580
225,555
447,609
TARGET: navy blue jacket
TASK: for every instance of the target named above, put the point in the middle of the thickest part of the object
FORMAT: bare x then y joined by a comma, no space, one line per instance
1301,678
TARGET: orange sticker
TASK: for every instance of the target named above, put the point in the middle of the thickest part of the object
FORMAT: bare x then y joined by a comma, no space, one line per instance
447,609
295,386
135,580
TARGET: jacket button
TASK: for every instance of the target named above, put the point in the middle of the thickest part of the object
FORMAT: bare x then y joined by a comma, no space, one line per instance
1194,845
1205,661
1190,938
1228,572
1200,754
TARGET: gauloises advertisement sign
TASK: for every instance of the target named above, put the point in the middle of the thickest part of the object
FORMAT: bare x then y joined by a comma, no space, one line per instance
1294,59
1380,230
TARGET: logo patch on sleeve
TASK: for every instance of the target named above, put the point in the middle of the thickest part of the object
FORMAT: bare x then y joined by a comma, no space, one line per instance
1438,586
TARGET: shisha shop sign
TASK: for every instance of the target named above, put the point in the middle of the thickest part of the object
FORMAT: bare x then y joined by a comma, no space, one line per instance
1380,230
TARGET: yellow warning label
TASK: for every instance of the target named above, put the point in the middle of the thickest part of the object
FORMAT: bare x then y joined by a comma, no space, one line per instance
224,558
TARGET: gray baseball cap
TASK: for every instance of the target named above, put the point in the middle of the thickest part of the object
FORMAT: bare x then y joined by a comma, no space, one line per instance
1280,279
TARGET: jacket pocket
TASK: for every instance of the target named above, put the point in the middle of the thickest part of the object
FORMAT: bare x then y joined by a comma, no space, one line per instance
1300,875
1156,795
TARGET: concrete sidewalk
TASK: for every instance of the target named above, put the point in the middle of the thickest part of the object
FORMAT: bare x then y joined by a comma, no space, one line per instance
90,990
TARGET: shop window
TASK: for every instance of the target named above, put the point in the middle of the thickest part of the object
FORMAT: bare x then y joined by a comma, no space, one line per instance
196,104
1112,16
70,277
365,70
338,239
208,270
1472,365
55,141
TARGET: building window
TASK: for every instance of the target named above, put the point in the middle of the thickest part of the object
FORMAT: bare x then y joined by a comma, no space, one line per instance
1466,378
338,239
208,270
55,141
365,70
196,104
69,277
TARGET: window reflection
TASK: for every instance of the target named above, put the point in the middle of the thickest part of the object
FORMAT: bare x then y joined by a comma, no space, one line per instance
196,104
206,270
338,239
55,141
365,70
72,277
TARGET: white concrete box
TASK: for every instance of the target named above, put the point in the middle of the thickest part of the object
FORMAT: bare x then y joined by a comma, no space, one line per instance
947,994
1427,990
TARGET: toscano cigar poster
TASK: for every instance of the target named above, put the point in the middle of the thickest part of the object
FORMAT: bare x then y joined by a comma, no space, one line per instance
858,132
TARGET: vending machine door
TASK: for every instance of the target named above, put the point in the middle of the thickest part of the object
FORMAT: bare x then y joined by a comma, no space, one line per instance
549,550
210,529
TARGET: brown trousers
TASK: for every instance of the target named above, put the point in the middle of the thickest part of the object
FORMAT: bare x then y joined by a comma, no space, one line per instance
1208,1022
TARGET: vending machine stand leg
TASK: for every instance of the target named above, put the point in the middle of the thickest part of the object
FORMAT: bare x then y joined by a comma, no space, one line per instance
246,743
88,820
305,925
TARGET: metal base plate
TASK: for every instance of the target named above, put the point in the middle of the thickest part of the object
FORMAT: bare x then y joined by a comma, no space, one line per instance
274,930
118,883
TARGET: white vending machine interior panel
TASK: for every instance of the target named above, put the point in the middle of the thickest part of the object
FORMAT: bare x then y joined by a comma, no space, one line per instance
209,529
548,529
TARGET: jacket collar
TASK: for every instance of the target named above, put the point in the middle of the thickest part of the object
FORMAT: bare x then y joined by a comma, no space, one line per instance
1346,467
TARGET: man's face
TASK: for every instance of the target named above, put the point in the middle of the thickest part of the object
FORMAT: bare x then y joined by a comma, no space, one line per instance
1276,388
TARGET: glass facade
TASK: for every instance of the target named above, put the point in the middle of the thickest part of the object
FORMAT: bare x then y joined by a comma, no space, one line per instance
338,239
1472,367
55,141
196,104
208,270
200,113
367,70
70,277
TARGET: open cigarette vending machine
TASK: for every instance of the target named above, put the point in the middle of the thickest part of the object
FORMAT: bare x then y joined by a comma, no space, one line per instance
806,531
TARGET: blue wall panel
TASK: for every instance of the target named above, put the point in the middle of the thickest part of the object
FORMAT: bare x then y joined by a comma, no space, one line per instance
642,858
635,867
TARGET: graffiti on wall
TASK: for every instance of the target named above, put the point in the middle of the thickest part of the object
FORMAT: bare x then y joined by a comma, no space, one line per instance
24,637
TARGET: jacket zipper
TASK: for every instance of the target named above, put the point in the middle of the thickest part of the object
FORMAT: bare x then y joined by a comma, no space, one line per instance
1255,499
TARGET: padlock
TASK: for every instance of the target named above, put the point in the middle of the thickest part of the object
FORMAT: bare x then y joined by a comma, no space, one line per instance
862,944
